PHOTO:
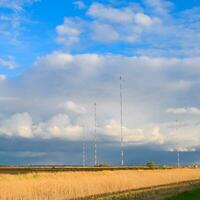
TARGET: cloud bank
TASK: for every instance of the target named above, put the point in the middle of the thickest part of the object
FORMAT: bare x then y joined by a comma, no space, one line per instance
55,99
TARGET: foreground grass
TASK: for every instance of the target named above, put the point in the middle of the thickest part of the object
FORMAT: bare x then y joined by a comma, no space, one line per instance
175,191
68,185
192,195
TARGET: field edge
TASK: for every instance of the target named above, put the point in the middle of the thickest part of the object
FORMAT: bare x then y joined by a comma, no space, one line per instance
167,190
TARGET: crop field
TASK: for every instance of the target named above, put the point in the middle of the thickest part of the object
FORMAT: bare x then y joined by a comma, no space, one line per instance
75,184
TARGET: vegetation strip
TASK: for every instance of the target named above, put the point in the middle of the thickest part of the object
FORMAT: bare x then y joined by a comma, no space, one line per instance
149,193
32,169
188,195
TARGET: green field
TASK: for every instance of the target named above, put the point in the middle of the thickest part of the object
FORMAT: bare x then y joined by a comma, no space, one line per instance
192,195
173,192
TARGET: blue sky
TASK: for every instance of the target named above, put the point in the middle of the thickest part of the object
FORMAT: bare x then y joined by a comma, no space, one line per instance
59,57
32,28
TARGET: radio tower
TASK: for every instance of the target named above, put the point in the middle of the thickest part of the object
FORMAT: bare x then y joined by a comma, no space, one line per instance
178,156
121,120
84,148
178,159
95,134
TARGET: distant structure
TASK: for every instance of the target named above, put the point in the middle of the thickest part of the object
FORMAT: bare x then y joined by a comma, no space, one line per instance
178,159
95,134
121,120
178,155
84,150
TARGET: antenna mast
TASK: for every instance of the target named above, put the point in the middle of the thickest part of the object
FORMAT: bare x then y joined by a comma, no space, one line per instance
178,156
84,148
178,159
95,135
121,120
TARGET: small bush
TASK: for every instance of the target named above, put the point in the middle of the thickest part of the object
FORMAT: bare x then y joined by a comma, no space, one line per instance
103,165
151,164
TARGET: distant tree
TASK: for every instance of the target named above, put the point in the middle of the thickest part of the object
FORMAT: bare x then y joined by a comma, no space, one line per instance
103,165
151,164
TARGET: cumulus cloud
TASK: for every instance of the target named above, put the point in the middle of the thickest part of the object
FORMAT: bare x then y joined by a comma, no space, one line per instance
180,111
59,126
114,15
101,30
79,4
16,5
161,7
2,77
184,138
107,24
151,24
83,63
143,19
72,106
138,135
182,149
69,32
57,60
19,124
83,79
152,81
8,63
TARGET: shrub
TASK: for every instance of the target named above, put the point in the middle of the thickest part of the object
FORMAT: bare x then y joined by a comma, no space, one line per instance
103,165
151,164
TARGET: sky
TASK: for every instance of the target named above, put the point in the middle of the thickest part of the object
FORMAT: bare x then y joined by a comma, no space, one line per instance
57,58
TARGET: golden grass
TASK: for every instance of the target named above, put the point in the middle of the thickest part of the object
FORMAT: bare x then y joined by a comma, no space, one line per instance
67,185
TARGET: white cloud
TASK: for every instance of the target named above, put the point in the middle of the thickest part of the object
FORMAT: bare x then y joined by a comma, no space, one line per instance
86,64
143,19
16,5
114,15
180,111
79,4
119,24
69,32
12,19
139,92
161,7
89,78
183,138
2,77
8,63
101,30
150,24
72,106
182,149
19,124
130,135
106,24
59,126
139,135
57,60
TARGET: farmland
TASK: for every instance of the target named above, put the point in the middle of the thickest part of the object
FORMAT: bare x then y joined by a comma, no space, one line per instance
58,185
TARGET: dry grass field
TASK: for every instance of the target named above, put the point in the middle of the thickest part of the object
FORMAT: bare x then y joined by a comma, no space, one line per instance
69,185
